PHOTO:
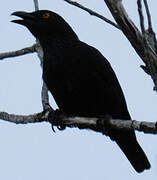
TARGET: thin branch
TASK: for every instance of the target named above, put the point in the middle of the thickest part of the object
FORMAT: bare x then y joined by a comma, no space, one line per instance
36,5
39,51
148,15
23,119
141,16
44,91
92,123
149,34
91,12
20,52
96,124
45,97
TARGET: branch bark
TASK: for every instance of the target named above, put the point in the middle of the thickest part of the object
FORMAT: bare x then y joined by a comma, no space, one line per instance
20,52
101,125
36,5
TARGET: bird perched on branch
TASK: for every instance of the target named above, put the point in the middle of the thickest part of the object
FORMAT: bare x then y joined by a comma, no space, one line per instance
81,79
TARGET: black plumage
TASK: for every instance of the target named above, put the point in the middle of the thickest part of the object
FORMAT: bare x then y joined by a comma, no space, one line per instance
81,79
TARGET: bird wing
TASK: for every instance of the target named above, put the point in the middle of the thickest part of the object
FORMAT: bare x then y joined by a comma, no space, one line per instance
84,83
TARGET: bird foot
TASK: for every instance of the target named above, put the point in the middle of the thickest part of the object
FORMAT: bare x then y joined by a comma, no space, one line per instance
104,124
54,119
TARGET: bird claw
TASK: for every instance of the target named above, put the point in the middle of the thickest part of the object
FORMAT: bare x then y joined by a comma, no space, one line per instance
52,127
61,127
54,118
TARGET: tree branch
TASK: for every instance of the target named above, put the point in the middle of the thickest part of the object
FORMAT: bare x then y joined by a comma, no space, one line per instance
141,16
23,119
36,5
146,40
101,125
148,15
20,52
91,12
135,37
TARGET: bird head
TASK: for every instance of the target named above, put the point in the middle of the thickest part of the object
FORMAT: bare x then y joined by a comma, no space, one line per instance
45,23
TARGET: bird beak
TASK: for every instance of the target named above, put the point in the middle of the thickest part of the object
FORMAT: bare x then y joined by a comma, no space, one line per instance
27,18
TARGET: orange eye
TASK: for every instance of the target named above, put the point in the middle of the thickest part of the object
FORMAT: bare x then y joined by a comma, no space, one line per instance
46,15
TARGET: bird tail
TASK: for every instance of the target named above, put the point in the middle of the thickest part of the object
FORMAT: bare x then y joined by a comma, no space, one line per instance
133,151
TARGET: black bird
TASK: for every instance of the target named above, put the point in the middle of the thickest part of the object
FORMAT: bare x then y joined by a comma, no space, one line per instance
81,79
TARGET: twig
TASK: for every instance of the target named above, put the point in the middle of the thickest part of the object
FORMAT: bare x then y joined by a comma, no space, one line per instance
95,124
141,16
91,12
36,5
45,97
148,15
20,52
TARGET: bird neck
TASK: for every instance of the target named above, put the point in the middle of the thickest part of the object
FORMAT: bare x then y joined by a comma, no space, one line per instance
56,42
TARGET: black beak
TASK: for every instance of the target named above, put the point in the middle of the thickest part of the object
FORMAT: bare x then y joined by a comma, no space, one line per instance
26,17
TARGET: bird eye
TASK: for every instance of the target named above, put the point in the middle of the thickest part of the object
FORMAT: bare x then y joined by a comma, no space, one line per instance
46,15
